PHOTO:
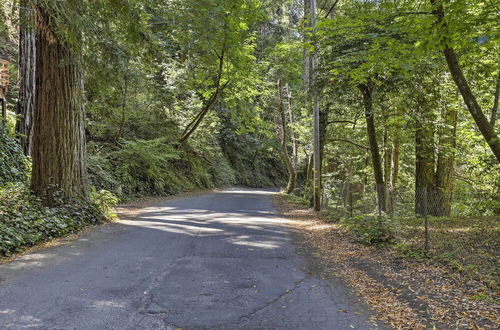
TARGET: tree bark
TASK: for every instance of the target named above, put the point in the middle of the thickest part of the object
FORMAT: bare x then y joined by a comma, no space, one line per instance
440,199
193,125
494,109
470,100
367,90
295,145
323,125
27,68
310,180
292,175
424,158
387,168
396,151
307,55
58,132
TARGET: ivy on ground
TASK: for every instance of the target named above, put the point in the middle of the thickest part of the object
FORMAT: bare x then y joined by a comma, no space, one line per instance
25,222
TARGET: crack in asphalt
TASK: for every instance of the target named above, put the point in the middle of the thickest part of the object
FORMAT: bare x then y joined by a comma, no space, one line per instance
246,317
192,262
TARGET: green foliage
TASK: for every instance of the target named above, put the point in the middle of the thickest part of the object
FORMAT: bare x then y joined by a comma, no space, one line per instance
406,250
468,245
14,166
142,166
24,222
295,199
370,229
155,167
105,201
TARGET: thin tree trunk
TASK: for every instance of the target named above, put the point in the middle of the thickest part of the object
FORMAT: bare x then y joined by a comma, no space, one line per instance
470,100
440,202
193,125
494,109
4,109
295,146
27,68
307,54
292,175
58,132
424,158
387,157
387,168
310,180
119,134
396,151
323,125
316,116
374,149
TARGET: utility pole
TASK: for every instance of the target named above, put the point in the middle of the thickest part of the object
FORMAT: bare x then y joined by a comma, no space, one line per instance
315,97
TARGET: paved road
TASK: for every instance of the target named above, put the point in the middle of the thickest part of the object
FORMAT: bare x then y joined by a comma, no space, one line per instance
222,260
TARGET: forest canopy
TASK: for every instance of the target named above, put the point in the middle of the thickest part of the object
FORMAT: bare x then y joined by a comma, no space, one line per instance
143,97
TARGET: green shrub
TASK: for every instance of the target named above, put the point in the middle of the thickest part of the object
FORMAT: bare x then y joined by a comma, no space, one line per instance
105,201
14,167
370,229
24,221
155,167
141,166
100,173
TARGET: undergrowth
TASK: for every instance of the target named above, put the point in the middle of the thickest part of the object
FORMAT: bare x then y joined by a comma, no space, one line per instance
25,222
466,245
155,167
118,172
13,165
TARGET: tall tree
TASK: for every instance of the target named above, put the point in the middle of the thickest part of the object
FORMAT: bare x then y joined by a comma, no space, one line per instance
58,134
27,69
292,174
367,90
485,126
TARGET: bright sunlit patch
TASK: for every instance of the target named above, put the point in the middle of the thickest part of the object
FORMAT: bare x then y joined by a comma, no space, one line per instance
244,240
247,191
107,303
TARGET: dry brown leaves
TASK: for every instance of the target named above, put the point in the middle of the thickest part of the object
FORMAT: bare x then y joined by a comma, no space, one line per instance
405,294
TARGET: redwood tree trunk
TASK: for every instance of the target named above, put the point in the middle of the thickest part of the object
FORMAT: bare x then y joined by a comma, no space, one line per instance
58,132
374,149
27,67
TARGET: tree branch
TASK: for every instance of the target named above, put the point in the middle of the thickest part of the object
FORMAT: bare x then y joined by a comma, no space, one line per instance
193,125
351,142
331,8
341,121
494,110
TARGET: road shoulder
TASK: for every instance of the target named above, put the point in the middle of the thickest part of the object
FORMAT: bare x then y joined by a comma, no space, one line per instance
403,293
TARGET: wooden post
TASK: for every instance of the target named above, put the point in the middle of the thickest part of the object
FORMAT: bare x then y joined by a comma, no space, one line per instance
4,109
4,82
315,96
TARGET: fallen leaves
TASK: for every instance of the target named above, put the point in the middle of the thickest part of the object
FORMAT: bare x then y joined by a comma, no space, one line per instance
405,294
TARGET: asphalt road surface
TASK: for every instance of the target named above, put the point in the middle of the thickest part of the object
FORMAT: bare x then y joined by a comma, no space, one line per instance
223,260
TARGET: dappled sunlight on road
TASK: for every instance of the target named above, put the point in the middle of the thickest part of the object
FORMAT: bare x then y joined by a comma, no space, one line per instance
224,258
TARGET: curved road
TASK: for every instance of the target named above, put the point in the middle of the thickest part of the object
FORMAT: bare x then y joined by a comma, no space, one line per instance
223,260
